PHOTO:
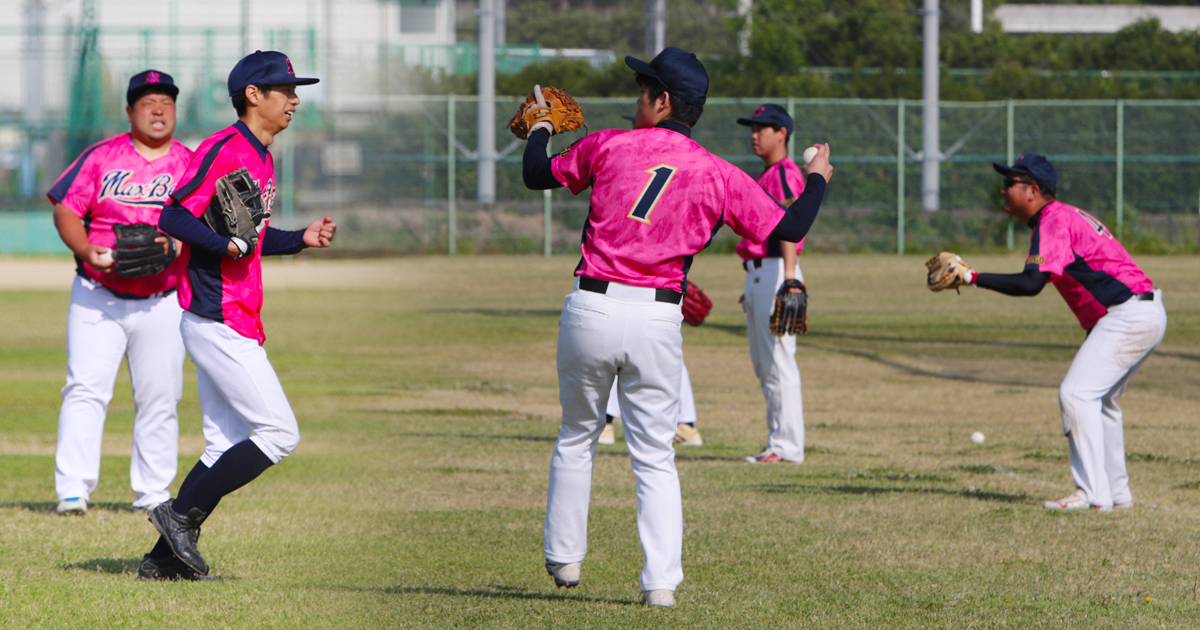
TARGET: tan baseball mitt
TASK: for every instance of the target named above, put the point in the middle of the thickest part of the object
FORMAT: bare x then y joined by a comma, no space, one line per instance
947,271
547,105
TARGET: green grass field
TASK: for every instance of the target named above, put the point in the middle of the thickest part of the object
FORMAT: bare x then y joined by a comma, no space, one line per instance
427,399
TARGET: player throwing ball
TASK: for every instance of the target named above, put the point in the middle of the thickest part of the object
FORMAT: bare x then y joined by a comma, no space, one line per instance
769,265
221,213
1115,303
657,199
107,205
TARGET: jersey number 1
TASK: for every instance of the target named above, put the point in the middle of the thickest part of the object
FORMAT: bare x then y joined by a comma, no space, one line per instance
653,191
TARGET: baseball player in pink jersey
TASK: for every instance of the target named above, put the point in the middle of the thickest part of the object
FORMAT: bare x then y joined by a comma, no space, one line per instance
1115,303
248,424
657,199
121,181
768,265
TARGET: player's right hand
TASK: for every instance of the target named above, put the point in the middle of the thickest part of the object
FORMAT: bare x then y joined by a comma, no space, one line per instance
820,164
93,259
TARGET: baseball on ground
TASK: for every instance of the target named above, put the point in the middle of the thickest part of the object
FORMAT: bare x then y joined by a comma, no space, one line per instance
809,154
977,437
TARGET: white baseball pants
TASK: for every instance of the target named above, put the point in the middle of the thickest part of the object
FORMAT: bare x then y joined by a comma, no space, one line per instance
240,396
774,360
1092,420
624,335
687,400
102,329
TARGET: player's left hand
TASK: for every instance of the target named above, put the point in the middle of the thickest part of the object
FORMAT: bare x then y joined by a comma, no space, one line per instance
819,164
320,233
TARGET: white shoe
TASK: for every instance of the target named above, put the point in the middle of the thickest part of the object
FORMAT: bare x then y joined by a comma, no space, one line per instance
564,574
663,598
687,435
1077,501
74,506
608,435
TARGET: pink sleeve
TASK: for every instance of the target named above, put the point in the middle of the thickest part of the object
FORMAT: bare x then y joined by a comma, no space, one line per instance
1053,245
76,187
749,211
573,167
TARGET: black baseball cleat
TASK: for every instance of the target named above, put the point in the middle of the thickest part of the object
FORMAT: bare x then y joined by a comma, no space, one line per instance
169,568
182,533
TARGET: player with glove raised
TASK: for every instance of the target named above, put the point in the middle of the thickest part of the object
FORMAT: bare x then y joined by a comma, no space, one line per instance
1114,301
657,198
106,209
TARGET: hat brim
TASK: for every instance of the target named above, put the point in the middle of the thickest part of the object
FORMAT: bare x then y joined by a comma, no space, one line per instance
637,65
169,89
1008,170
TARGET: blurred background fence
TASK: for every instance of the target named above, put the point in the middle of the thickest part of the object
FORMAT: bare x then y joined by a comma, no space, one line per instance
399,172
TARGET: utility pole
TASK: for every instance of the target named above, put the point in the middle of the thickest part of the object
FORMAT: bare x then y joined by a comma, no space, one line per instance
245,27
930,118
656,26
745,10
487,103
31,108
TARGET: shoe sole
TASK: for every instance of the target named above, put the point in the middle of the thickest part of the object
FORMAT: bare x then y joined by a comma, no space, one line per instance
162,531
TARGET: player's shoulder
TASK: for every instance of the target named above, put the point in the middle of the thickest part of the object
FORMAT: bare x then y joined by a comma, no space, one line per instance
217,140
101,150
180,149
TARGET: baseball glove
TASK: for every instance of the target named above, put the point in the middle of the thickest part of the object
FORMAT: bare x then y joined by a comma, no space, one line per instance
237,210
947,271
791,310
136,254
696,305
547,105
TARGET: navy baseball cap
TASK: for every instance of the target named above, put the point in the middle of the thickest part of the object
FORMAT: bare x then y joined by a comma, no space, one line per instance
679,71
1035,166
264,68
771,115
148,81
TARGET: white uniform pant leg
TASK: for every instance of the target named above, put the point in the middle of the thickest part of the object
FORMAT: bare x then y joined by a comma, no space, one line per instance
774,360
245,395
649,385
96,343
1089,394
156,355
588,344
687,399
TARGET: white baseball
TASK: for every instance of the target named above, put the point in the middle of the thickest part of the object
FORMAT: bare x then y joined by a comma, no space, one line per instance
106,257
809,154
977,437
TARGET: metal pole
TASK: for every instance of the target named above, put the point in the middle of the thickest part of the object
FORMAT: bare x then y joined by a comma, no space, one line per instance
173,35
451,163
33,79
246,27
745,10
900,177
1120,168
486,181
1009,134
931,169
791,110
656,26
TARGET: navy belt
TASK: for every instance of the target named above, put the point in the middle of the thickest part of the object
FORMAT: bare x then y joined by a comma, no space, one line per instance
1145,297
130,296
601,286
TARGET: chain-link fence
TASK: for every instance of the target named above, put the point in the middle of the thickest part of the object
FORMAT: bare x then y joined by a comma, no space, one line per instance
400,173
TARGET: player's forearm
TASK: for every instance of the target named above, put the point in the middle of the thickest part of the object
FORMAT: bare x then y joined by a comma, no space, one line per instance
537,171
70,230
1025,284
183,225
282,242
800,216
788,249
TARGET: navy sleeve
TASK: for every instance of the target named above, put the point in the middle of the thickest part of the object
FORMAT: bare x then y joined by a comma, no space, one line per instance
803,212
1025,284
537,172
178,222
282,242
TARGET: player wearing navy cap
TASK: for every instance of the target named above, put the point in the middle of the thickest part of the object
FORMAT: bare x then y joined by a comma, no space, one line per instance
1114,301
657,199
768,265
115,183
249,425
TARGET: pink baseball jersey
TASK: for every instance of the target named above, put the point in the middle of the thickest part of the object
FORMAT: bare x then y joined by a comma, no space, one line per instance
657,199
112,183
783,181
1089,267
222,288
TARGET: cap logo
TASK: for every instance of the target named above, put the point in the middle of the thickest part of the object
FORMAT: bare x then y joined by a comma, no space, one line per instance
289,65
759,112
153,77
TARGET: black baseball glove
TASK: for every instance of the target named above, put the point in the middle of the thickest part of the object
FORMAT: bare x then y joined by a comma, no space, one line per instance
237,210
136,254
791,310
